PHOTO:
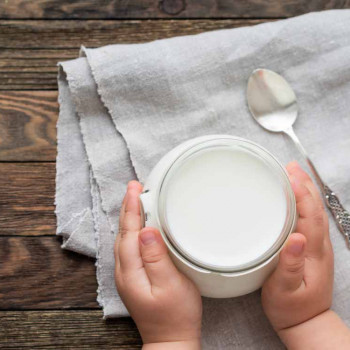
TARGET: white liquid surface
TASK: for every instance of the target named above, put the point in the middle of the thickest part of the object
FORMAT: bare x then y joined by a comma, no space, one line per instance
224,207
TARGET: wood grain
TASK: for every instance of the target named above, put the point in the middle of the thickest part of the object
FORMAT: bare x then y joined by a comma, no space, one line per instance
27,199
92,33
37,274
28,125
66,330
30,50
114,9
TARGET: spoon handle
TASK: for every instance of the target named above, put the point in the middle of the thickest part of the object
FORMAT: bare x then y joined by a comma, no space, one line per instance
341,216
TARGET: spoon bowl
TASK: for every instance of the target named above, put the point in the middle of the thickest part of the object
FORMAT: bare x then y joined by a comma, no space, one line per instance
271,100
273,104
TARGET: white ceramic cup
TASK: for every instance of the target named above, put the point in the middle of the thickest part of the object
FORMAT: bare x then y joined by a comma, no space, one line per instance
216,283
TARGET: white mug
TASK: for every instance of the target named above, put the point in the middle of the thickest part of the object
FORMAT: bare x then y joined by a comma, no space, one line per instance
212,280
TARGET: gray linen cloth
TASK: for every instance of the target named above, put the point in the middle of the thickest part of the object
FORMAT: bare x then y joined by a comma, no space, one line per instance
122,107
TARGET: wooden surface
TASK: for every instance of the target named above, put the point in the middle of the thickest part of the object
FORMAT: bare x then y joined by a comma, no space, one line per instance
28,126
114,9
47,295
36,274
31,49
78,329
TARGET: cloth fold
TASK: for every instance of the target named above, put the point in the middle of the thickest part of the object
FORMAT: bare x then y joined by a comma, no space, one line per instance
122,107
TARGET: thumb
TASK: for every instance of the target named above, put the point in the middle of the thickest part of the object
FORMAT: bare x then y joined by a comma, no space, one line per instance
156,260
289,273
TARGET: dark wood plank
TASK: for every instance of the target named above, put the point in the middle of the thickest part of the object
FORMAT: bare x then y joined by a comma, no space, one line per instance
114,9
37,274
66,330
28,125
30,50
28,34
27,199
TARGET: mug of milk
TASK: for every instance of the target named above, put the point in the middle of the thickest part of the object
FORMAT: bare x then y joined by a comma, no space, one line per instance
225,207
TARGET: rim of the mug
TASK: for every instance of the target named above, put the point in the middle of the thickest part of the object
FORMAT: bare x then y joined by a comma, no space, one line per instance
271,161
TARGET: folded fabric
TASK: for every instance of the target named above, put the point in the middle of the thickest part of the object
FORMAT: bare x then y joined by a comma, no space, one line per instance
122,107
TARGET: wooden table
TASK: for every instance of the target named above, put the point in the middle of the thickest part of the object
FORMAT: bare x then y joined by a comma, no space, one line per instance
47,295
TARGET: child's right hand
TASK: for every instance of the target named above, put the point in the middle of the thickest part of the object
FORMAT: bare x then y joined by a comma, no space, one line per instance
298,295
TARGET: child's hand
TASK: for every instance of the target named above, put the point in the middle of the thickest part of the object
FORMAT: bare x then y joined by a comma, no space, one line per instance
297,296
301,286
165,305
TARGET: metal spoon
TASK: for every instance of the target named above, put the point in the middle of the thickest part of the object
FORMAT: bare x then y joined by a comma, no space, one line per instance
273,104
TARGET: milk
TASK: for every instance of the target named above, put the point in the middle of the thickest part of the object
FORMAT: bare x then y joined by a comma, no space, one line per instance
224,207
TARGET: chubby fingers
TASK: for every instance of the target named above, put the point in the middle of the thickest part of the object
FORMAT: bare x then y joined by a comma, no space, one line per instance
160,269
127,252
289,273
295,170
313,220
142,258
134,189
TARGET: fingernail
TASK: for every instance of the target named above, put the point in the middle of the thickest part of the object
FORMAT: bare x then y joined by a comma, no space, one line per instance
147,237
296,164
295,248
130,184
294,181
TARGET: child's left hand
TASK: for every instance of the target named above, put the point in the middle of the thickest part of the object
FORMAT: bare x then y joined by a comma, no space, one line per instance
165,305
